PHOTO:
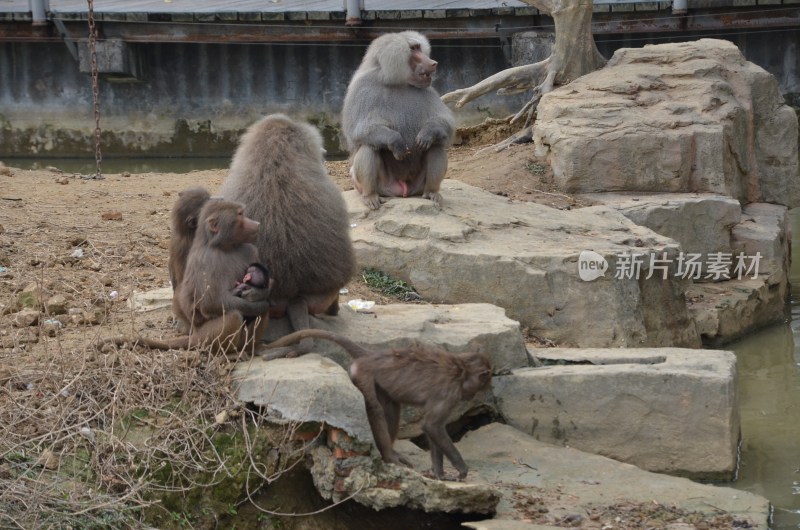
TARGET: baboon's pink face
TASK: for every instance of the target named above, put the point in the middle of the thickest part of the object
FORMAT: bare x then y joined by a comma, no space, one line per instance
422,67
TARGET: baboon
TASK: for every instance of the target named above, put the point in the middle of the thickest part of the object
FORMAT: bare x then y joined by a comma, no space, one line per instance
396,126
278,173
256,276
421,375
184,223
220,256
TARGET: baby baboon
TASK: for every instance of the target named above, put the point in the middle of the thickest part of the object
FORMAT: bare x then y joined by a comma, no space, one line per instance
184,223
397,129
255,277
220,256
420,375
278,173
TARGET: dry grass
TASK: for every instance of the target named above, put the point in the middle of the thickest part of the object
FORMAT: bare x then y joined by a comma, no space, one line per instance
89,439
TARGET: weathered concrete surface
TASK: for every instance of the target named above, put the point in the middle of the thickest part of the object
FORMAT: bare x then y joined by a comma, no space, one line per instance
700,222
524,257
569,481
668,410
693,116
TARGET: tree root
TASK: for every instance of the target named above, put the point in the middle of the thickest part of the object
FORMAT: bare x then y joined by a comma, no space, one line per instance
540,77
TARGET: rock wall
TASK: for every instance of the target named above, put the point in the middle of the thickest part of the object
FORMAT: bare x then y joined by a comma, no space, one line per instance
682,117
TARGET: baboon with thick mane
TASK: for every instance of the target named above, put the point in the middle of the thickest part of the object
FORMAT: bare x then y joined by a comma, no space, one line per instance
396,126
278,173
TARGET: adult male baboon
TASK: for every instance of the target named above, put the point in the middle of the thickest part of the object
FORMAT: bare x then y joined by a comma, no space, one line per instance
397,129
421,375
278,173
207,298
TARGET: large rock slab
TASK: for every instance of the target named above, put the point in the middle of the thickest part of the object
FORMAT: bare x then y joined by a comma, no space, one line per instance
765,230
693,116
667,410
701,223
524,257
726,311
756,294
307,389
457,328
566,481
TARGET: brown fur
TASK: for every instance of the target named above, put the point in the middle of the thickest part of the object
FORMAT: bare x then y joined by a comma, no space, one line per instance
396,126
218,259
278,173
420,375
184,224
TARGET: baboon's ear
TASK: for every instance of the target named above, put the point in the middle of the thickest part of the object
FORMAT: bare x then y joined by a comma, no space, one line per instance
213,224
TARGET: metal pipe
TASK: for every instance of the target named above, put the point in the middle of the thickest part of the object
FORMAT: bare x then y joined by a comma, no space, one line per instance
353,8
39,11
679,7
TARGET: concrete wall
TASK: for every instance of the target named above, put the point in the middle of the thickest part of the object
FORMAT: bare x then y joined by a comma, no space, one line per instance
195,99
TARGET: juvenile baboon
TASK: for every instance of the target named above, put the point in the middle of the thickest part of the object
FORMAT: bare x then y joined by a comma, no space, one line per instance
278,173
420,375
220,256
397,129
184,223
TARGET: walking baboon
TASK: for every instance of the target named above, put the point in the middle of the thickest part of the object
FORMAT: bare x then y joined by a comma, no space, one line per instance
220,256
278,173
397,129
420,375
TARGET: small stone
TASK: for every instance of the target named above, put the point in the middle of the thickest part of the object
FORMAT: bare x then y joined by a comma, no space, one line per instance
126,174
48,460
56,305
62,181
5,171
53,169
112,216
26,318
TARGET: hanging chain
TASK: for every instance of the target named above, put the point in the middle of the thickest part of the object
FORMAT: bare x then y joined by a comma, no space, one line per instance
95,89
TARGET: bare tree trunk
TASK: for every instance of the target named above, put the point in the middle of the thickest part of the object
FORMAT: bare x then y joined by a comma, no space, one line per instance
574,54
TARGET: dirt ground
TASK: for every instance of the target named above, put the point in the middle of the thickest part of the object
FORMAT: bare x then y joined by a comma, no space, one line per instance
94,242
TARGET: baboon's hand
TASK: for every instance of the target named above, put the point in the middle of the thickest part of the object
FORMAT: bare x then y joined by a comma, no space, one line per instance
373,202
399,149
425,138
253,294
435,196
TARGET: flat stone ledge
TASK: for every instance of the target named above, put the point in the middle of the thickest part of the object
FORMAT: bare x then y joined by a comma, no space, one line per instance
569,481
456,328
668,410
